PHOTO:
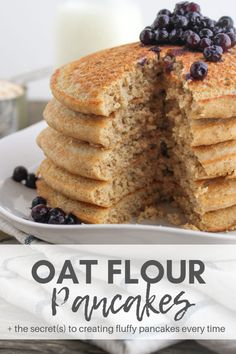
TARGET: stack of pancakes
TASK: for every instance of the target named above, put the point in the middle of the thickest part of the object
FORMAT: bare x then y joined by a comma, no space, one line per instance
128,128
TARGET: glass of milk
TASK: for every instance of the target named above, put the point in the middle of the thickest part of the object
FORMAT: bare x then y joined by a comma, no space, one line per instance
86,26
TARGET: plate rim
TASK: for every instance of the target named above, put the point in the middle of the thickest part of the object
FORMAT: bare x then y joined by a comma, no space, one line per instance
166,229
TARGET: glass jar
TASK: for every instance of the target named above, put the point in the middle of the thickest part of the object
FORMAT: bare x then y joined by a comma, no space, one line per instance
12,107
86,26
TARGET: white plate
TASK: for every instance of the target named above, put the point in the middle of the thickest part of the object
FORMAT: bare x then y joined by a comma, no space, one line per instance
15,199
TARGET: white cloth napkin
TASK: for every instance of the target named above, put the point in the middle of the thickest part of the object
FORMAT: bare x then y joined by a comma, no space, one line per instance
114,347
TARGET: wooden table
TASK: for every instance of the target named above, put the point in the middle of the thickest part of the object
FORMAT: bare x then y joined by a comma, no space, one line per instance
73,347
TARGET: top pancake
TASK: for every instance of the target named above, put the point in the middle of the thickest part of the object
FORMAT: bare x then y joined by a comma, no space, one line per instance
103,82
213,97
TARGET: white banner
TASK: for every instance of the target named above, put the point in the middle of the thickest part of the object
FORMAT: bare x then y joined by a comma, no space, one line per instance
118,292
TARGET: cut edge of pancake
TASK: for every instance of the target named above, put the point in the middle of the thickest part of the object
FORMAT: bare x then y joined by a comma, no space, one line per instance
121,212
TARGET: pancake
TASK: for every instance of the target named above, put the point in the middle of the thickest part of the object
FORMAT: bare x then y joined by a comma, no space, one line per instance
218,159
208,161
121,212
100,193
208,195
216,221
214,97
212,131
205,131
199,132
106,131
215,194
94,162
103,82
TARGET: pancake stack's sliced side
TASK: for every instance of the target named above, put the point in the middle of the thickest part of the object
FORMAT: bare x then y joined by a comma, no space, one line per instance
202,116
128,128
101,193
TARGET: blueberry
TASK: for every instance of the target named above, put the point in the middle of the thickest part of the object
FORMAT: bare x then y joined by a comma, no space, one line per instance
213,53
56,216
164,149
208,23
37,201
205,42
193,41
164,12
217,30
232,36
225,21
193,7
147,36
231,30
194,19
162,36
181,7
40,213
20,174
186,34
178,21
223,40
71,219
224,30
198,70
176,36
205,32
196,29
180,12
162,21
31,181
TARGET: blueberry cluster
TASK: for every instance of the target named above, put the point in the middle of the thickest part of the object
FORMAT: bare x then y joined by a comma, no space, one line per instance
41,213
187,26
20,174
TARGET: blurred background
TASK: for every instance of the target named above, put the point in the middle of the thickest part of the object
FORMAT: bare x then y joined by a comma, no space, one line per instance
42,35
28,39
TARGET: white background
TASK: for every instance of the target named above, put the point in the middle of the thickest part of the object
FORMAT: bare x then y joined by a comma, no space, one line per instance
27,32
